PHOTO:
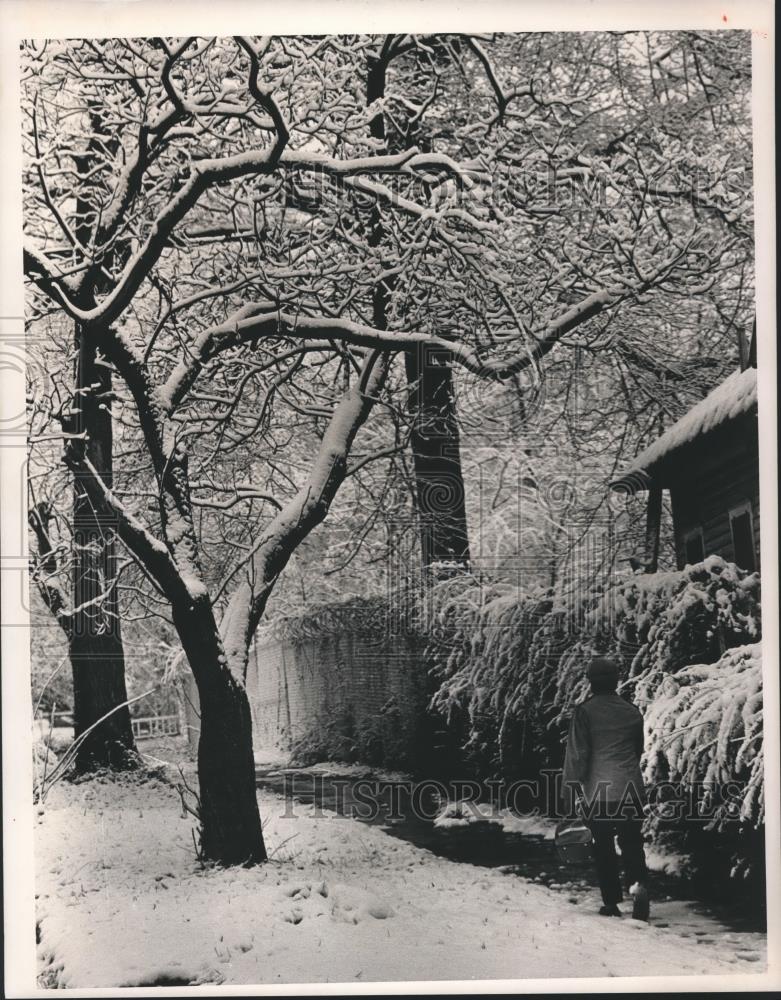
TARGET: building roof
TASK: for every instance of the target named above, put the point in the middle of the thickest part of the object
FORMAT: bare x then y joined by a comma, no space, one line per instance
736,395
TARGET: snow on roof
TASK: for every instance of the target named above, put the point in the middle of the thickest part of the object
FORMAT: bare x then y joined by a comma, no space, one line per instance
737,394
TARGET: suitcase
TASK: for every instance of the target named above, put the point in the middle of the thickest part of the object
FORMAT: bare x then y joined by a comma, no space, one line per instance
573,841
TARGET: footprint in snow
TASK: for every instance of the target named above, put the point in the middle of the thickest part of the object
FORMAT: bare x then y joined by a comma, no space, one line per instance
379,910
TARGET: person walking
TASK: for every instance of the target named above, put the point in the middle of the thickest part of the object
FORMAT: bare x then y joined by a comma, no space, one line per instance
602,781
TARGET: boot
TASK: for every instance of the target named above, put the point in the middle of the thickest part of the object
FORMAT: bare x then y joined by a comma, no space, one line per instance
641,909
609,910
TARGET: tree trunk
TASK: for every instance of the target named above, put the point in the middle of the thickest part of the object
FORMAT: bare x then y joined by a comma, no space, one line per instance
96,652
439,478
231,831
98,687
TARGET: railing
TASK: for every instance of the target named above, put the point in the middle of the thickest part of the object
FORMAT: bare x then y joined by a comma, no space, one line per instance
147,726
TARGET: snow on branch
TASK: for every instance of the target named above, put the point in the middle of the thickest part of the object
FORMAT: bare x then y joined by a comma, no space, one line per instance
206,173
45,568
245,327
150,551
303,512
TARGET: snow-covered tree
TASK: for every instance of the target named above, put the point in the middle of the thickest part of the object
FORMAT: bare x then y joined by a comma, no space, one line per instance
243,253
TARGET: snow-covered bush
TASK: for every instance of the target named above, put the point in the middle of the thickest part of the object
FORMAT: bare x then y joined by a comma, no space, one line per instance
705,725
356,615
497,654
656,623
665,621
514,663
482,636
513,659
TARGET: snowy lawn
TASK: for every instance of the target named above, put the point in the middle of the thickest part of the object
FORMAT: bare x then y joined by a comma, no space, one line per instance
122,902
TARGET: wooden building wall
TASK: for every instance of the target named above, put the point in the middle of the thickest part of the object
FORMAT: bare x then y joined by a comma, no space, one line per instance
708,478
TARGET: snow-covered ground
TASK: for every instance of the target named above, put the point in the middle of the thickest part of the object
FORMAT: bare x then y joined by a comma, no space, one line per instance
122,901
460,814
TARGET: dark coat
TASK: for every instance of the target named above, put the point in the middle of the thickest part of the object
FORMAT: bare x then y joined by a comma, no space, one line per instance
604,747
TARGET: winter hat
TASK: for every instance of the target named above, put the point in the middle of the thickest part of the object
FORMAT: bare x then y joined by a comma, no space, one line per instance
602,668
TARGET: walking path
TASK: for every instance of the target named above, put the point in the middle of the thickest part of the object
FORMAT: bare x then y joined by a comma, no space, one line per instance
122,902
